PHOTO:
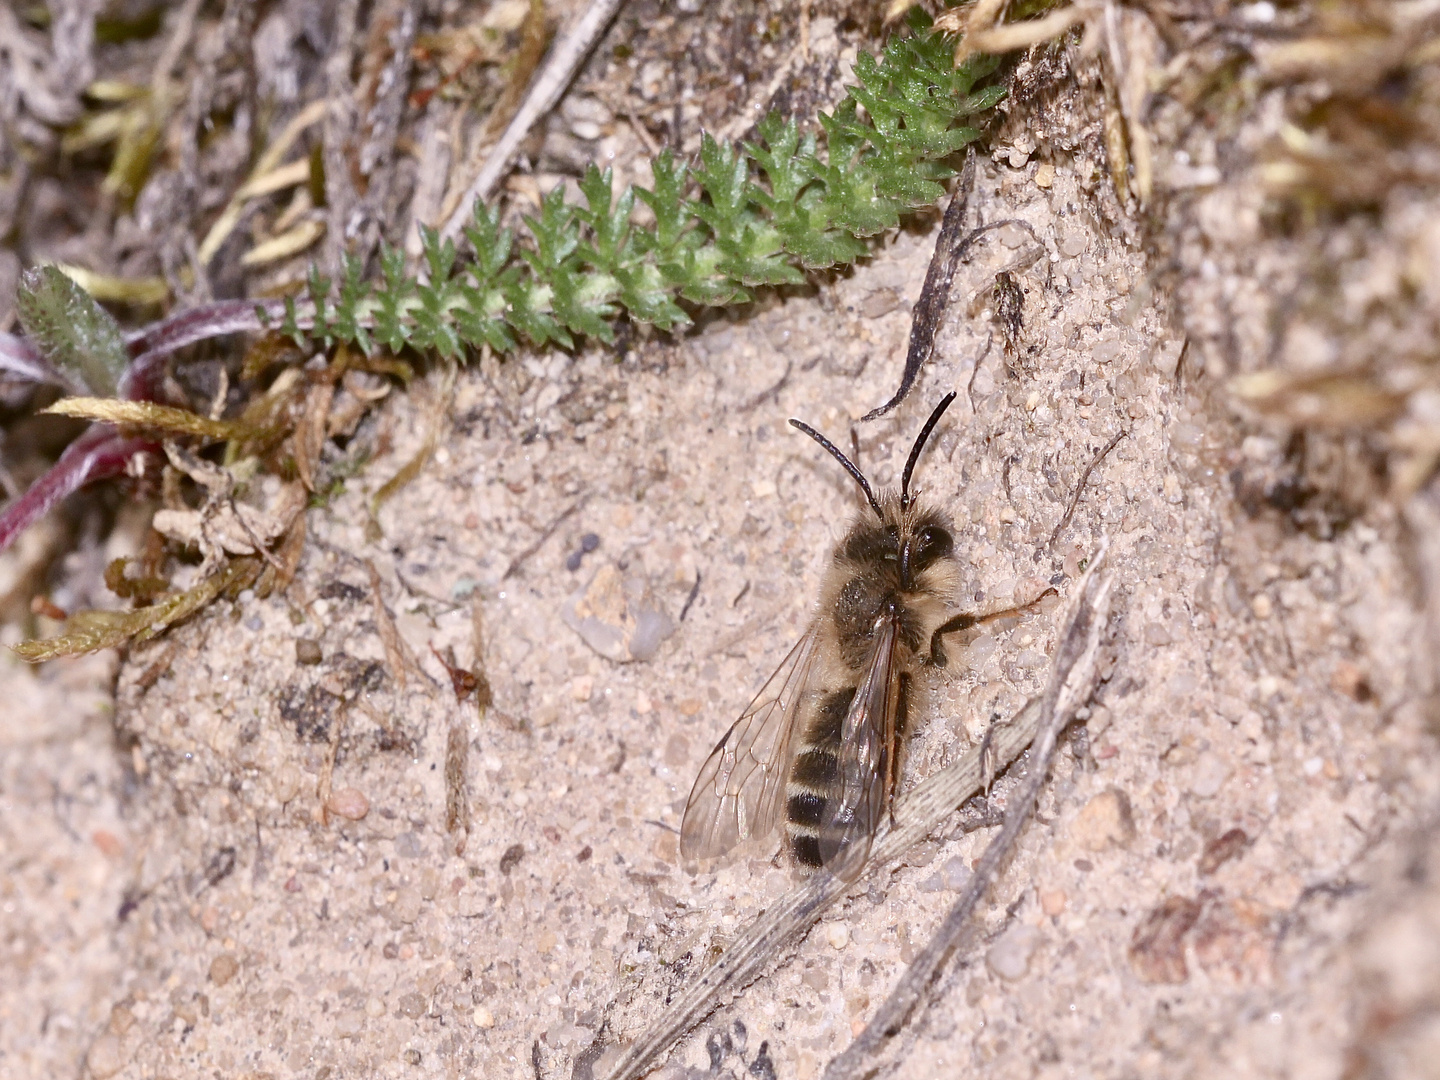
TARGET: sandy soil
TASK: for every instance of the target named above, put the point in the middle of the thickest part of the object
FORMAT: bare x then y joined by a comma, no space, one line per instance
235,860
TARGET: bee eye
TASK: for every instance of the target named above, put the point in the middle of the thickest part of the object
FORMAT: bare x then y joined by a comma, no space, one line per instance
932,543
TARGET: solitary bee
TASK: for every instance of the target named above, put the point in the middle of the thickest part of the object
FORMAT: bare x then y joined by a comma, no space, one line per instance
820,743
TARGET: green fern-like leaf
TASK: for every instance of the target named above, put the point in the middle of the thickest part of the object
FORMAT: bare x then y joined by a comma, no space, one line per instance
741,218
392,304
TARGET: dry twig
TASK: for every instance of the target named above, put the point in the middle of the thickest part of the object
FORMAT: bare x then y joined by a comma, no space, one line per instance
935,293
560,67
1080,486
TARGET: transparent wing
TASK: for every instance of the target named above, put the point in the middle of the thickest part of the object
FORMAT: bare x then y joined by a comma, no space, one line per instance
867,755
740,791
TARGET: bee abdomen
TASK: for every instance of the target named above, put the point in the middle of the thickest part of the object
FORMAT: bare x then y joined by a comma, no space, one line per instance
811,781
813,777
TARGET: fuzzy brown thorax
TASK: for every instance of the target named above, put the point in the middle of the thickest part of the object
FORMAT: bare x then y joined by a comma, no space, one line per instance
899,563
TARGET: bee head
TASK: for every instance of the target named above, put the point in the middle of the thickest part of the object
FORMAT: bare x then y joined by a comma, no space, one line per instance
914,542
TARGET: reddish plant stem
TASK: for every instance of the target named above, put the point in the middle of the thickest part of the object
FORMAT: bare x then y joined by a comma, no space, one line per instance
101,452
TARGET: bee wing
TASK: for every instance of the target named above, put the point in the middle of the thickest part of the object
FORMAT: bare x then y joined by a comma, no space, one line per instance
741,787
867,744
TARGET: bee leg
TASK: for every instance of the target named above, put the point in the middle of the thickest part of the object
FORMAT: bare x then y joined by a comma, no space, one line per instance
959,622
965,622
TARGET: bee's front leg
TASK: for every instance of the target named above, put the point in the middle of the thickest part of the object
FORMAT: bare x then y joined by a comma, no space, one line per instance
959,622
966,621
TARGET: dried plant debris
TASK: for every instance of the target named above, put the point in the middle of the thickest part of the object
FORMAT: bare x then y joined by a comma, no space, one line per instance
1326,212
90,631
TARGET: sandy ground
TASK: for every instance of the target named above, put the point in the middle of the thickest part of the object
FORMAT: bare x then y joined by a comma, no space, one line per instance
232,858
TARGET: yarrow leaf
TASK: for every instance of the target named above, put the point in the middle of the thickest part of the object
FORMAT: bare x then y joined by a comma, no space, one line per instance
743,217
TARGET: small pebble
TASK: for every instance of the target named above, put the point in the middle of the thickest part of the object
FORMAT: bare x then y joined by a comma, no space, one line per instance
878,303
254,624
838,935
348,803
1262,606
1104,820
589,542
1211,772
483,1017
104,1058
307,651
1009,957
1052,901
1072,242
223,969
955,874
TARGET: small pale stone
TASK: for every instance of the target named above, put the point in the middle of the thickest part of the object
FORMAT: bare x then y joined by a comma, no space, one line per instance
1211,772
1009,957
285,783
838,935
407,905
483,1017
411,1006
582,688
1072,242
104,1057
1044,175
1108,351
1052,901
1104,820
1183,684
1262,606
878,303
955,873
223,968
349,1023
348,802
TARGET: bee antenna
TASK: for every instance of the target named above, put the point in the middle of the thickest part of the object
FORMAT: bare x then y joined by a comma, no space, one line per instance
920,445
849,465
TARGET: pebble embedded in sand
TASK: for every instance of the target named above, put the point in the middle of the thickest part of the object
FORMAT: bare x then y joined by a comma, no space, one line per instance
223,968
1009,957
1105,820
348,803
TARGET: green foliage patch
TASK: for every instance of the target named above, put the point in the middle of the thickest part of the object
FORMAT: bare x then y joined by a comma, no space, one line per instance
745,217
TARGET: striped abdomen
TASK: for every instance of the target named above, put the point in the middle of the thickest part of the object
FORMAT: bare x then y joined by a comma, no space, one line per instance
815,773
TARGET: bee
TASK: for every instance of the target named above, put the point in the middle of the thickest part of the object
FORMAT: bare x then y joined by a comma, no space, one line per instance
819,747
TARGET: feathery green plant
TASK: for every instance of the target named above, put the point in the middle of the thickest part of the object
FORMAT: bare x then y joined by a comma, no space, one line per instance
745,217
